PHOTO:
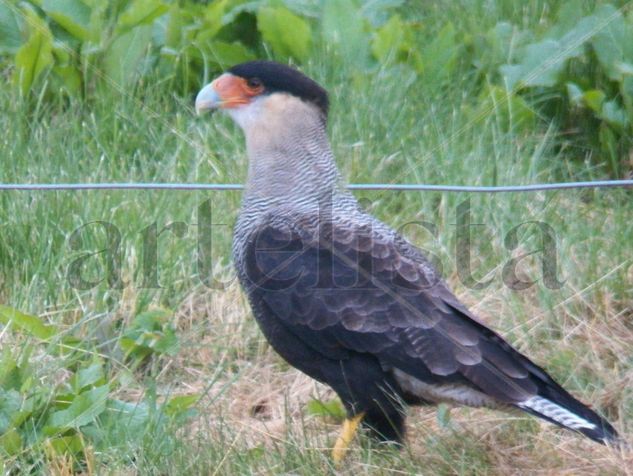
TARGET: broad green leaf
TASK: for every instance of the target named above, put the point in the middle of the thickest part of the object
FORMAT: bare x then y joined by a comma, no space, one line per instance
25,322
624,69
72,15
246,7
151,320
69,76
572,43
176,21
541,65
288,34
122,60
99,19
150,332
89,376
65,445
11,442
378,11
305,8
613,43
134,415
593,99
343,27
440,56
167,343
332,408
10,404
227,54
614,115
213,17
34,56
569,14
10,38
180,404
9,372
84,409
496,47
389,40
141,12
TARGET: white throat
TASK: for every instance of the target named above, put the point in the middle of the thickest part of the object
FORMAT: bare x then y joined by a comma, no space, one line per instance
288,150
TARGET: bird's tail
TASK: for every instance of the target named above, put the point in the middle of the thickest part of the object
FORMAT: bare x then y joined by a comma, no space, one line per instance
557,406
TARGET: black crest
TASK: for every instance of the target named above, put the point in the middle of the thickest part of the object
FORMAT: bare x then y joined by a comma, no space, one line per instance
277,77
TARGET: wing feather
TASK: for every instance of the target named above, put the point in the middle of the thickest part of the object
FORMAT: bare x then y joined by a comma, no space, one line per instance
353,289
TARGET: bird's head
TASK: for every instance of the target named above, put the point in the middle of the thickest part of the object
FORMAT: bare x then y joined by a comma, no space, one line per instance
263,92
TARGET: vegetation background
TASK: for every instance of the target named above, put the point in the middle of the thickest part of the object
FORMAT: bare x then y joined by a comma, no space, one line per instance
126,345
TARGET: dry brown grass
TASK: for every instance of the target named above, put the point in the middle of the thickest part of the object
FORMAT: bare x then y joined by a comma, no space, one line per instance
264,401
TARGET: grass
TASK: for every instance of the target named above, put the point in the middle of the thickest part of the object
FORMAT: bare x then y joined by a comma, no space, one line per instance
252,414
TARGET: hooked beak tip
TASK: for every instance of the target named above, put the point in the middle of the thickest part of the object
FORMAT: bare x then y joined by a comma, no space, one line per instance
207,99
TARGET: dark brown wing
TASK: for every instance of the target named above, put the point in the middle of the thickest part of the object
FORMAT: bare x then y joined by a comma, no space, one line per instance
344,289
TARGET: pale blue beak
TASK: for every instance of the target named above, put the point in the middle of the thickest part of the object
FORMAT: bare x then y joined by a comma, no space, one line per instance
208,99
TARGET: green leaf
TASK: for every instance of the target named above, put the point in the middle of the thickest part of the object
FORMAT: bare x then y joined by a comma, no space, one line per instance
34,56
150,332
180,404
30,324
214,17
87,377
69,76
496,47
541,65
141,12
10,38
168,343
440,56
72,15
10,404
227,54
378,11
624,69
613,43
343,27
134,415
572,43
123,57
65,445
332,408
389,40
11,442
614,115
288,34
9,372
84,409
593,99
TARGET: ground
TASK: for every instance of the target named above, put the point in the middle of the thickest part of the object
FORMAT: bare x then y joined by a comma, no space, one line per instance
255,414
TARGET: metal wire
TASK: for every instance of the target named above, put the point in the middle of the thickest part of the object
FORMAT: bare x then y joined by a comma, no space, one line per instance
354,186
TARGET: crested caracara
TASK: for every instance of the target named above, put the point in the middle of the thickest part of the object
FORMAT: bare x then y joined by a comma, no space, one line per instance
344,298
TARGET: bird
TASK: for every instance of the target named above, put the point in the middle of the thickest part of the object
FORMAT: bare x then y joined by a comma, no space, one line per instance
343,297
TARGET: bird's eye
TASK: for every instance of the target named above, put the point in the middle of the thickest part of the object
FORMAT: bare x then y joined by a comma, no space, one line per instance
254,83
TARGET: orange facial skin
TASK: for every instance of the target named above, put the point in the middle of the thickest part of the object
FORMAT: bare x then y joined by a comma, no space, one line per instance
235,91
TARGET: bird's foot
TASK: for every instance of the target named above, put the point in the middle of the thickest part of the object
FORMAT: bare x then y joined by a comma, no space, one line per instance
350,426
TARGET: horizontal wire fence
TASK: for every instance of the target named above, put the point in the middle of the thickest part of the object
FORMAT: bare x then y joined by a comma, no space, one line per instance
354,186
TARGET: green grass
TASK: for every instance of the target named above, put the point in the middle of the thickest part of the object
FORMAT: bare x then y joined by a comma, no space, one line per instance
251,416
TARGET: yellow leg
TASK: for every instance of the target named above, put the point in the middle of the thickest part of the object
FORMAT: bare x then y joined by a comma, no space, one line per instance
350,425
